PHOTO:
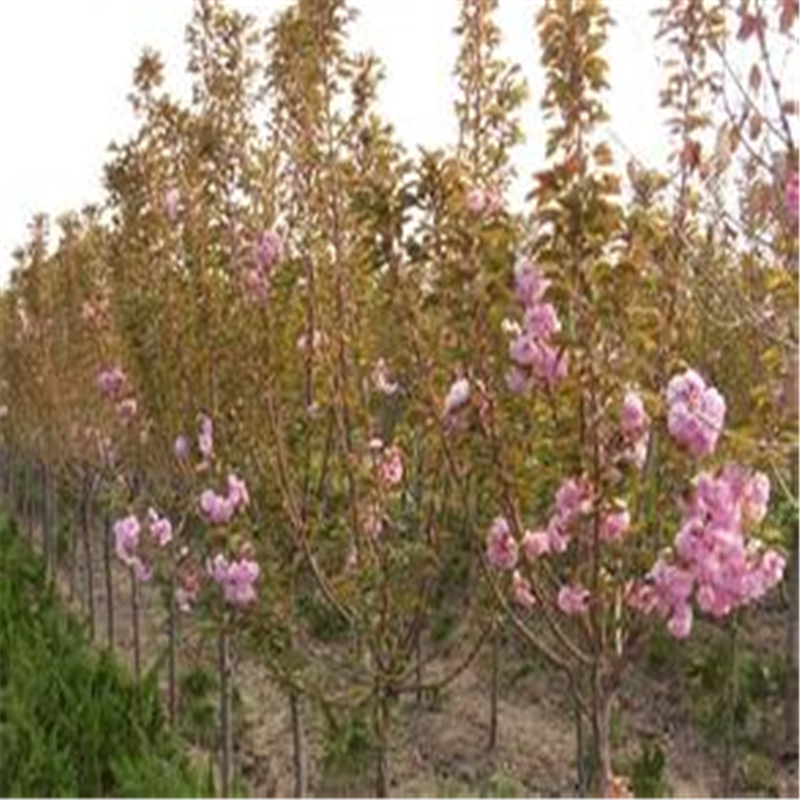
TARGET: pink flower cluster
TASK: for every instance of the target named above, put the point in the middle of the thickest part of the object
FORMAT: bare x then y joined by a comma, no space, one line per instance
172,204
205,439
220,509
502,550
695,414
573,600
535,359
236,578
112,384
389,464
635,427
484,202
712,558
575,502
267,252
127,541
792,197
182,447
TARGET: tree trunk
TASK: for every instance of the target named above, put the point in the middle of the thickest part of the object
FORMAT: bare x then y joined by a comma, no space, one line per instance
46,528
109,579
581,783
137,652
732,699
494,689
86,533
225,721
29,505
790,710
601,739
299,744
172,634
382,723
418,666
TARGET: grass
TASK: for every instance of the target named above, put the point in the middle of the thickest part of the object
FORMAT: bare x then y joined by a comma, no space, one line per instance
72,722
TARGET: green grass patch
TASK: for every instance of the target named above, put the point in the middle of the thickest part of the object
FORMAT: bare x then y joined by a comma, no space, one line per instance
72,722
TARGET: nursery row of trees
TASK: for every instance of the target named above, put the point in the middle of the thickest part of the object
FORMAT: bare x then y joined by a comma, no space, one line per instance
295,366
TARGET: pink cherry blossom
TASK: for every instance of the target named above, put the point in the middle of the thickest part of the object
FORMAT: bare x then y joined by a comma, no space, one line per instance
390,470
142,570
126,539
574,499
713,559
792,195
502,550
541,320
238,495
187,591
696,413
680,621
127,410
236,578
160,528
633,420
457,396
535,544
534,356
216,509
518,381
521,590
267,250
476,201
111,382
557,539
573,600
256,285
182,447
635,427
205,439
615,524
172,202
529,284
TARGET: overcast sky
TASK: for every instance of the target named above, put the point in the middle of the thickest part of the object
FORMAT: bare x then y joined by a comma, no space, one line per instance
66,68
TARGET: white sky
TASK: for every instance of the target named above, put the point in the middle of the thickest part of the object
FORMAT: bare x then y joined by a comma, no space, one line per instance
66,69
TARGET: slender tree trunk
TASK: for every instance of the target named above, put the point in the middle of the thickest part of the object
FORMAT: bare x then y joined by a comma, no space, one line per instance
299,744
172,634
225,717
12,483
55,509
790,710
74,557
382,724
109,579
137,652
86,532
580,754
494,689
732,699
418,667
46,527
29,506
601,738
